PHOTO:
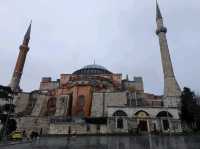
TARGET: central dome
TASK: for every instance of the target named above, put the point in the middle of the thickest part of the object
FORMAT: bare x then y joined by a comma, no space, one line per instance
92,70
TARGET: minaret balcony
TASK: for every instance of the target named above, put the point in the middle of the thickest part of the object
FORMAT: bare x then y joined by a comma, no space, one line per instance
161,30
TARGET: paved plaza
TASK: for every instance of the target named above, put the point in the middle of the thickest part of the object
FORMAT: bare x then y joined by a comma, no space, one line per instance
112,142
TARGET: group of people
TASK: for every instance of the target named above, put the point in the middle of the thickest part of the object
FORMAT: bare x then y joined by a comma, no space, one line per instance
33,135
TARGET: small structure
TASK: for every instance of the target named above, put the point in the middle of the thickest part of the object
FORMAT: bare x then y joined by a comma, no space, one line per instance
144,119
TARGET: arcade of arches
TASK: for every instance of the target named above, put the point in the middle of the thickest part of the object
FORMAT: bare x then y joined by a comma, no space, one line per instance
143,121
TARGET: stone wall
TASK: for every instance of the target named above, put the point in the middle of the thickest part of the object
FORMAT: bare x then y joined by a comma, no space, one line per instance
86,93
172,101
33,104
21,101
30,124
101,101
76,128
62,105
40,105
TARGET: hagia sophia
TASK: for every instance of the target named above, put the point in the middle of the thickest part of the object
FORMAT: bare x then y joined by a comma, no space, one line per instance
95,100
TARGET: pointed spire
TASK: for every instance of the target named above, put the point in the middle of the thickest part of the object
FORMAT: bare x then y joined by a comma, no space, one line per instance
27,35
158,12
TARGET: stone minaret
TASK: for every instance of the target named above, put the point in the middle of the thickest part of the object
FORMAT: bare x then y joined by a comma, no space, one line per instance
172,90
16,77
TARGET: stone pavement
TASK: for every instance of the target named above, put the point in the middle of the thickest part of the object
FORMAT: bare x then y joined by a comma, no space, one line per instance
112,142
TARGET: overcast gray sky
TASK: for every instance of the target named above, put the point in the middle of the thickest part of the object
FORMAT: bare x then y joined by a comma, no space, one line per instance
118,34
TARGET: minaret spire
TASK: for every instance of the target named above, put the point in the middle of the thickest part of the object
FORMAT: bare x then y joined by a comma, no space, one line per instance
16,77
158,12
172,90
27,35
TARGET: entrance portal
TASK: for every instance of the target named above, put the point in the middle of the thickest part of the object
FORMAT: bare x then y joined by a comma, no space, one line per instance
143,125
142,117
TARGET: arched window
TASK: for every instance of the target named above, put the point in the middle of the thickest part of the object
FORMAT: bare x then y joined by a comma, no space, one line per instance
141,114
164,115
120,113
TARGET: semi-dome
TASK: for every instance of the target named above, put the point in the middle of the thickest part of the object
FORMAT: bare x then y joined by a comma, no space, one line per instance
92,70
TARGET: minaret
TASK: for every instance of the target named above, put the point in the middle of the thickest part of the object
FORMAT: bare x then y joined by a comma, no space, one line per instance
16,77
172,90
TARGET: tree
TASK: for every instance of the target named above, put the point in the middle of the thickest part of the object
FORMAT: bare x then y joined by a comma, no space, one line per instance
187,97
11,126
6,92
6,110
190,111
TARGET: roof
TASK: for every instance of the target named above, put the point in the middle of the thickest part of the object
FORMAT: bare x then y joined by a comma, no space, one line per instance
92,70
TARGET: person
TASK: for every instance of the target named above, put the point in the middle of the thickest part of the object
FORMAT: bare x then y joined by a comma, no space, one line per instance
41,131
24,135
69,131
69,134
34,135
31,135
74,134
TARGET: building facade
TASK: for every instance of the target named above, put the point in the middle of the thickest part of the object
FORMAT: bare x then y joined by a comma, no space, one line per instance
95,100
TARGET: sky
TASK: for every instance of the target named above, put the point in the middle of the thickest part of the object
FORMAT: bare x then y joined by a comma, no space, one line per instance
118,34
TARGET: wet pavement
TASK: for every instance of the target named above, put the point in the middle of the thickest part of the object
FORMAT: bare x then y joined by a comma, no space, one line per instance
112,142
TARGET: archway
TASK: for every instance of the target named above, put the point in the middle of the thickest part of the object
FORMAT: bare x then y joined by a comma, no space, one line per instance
120,122
142,118
164,117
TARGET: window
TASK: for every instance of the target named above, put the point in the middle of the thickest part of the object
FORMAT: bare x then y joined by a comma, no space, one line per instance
120,115
165,124
120,123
